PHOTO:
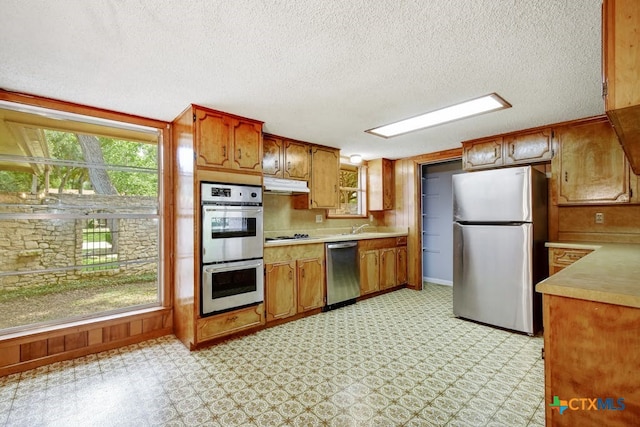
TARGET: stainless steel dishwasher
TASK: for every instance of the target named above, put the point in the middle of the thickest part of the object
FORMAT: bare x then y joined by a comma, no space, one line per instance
343,274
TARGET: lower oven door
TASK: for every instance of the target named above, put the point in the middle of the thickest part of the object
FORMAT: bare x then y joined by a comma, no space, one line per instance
231,285
231,232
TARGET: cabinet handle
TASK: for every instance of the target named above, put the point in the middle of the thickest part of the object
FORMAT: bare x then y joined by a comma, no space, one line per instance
239,153
495,152
232,319
277,164
288,165
513,149
290,274
302,273
224,151
566,177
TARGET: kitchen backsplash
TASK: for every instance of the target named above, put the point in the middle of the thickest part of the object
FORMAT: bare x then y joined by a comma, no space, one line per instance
280,216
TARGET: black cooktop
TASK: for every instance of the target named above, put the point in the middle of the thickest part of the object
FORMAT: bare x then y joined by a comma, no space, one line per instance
295,236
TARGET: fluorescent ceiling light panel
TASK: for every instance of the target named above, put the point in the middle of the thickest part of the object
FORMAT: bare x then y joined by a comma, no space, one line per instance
473,107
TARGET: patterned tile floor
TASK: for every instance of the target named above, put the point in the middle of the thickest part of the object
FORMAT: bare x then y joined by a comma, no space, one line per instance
400,359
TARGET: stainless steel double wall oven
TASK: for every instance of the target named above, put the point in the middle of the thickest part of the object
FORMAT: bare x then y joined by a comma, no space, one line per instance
232,247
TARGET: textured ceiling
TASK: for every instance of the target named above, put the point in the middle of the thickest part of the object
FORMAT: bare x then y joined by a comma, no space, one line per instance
319,71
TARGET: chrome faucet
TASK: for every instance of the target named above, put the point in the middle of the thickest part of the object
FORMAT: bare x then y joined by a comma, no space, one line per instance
356,229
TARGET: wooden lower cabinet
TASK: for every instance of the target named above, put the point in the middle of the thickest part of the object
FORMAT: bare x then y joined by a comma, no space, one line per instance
231,322
310,274
561,258
280,290
591,357
294,280
388,274
401,265
383,264
369,271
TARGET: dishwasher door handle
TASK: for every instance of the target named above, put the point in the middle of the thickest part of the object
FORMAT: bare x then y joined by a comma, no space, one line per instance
342,245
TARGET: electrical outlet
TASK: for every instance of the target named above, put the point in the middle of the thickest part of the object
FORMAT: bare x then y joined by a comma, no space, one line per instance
318,218
599,218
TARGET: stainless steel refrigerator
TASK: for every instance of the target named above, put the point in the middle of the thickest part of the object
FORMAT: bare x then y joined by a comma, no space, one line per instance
499,232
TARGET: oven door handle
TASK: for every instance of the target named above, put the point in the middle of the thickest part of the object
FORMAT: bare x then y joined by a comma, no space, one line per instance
213,270
228,209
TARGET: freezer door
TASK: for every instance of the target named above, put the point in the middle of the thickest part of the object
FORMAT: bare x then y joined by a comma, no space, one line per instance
492,275
497,195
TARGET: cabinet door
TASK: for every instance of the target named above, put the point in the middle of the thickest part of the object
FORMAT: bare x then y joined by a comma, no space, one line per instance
247,146
387,268
401,265
380,186
213,139
369,272
310,284
483,153
621,25
272,156
590,166
280,294
296,157
325,169
528,147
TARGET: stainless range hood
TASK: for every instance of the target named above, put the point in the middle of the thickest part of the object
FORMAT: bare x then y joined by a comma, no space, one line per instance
284,186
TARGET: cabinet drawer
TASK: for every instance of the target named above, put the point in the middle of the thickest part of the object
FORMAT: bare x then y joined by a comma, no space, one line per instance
228,323
566,257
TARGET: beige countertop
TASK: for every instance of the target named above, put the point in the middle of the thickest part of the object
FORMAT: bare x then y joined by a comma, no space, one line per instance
610,274
339,237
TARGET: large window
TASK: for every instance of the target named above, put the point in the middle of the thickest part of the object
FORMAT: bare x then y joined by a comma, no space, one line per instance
80,217
353,200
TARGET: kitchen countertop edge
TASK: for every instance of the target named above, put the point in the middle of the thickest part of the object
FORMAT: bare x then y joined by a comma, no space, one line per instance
335,238
610,274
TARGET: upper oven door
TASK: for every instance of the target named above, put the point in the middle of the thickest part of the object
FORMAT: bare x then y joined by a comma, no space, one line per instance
231,233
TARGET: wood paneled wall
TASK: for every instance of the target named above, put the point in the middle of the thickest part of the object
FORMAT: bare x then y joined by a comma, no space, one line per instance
27,351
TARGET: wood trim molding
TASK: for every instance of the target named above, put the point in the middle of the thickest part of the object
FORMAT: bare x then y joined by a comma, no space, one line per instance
20,352
29,349
408,206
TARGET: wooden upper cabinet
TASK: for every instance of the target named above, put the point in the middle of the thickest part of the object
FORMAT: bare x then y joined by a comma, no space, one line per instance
296,160
285,158
272,156
324,180
247,145
380,184
224,141
528,147
213,138
621,53
590,166
621,62
482,153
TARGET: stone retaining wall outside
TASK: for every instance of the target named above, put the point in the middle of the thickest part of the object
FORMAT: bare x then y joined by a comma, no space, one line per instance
53,241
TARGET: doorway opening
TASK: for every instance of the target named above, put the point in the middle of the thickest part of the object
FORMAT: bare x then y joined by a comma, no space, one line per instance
437,221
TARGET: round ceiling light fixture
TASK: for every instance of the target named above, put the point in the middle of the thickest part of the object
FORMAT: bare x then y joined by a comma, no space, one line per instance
355,158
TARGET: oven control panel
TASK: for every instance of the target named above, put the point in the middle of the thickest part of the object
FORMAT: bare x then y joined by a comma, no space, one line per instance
214,193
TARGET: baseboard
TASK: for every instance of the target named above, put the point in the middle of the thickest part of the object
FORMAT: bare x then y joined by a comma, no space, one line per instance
437,281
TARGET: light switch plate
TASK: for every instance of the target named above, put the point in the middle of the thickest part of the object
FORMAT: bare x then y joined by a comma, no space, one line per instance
599,218
318,218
